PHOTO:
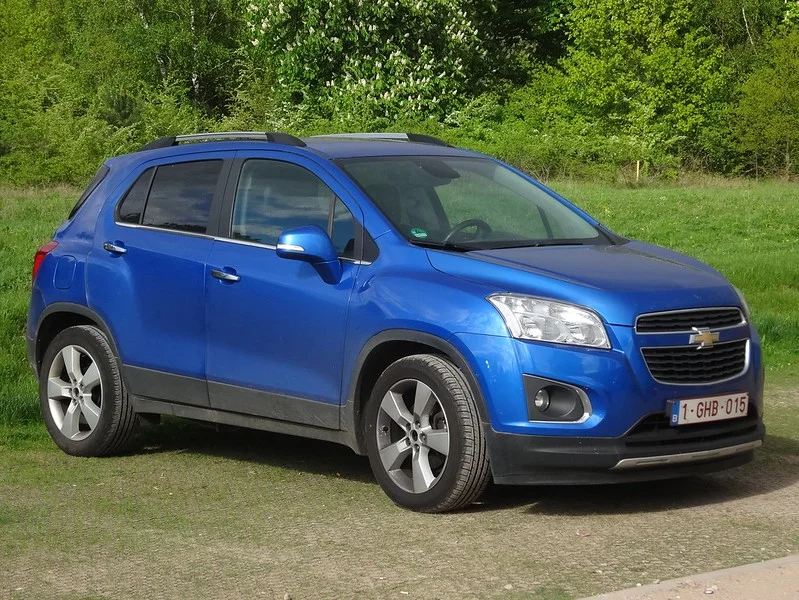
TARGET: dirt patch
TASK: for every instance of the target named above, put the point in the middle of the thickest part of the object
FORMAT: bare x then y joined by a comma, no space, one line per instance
207,514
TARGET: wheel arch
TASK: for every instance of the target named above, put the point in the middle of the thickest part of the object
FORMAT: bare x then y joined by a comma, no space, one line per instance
59,316
377,354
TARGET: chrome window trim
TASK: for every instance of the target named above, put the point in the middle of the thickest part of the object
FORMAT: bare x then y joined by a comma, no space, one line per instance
274,247
164,229
684,457
747,354
685,310
217,238
588,409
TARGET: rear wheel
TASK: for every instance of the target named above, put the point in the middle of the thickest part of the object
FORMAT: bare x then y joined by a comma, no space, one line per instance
84,404
423,435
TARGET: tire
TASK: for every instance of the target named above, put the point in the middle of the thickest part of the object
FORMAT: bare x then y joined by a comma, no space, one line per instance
427,451
83,400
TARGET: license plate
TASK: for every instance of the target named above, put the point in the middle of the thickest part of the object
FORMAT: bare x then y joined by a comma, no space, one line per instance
704,410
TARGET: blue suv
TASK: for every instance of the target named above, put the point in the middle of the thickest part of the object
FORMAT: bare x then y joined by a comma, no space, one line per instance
428,306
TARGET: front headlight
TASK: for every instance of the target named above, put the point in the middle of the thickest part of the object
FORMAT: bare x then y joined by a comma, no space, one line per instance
744,305
531,318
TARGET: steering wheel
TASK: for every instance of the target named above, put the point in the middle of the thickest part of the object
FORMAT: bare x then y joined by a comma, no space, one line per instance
479,223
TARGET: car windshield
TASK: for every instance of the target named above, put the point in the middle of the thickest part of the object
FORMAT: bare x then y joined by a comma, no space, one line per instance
467,203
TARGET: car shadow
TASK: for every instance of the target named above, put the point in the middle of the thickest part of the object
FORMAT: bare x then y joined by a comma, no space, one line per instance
262,447
776,467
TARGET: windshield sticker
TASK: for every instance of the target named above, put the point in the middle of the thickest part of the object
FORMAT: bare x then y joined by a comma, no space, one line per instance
419,234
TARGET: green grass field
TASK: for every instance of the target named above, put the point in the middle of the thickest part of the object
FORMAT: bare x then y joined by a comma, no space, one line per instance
749,231
205,513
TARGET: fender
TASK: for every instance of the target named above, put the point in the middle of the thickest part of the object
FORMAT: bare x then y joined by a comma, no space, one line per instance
35,352
351,411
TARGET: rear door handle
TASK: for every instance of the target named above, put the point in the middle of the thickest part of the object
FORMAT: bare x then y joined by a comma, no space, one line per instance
225,275
115,247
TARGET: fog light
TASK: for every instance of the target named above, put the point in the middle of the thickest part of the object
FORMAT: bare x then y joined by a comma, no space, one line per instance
542,400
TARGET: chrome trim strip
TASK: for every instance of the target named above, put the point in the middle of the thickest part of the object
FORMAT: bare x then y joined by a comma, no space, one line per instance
588,410
225,239
273,247
730,378
223,135
685,457
245,243
365,136
684,310
165,230
290,248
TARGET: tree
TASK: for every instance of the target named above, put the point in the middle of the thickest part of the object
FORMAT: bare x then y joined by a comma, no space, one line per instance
768,110
383,58
644,68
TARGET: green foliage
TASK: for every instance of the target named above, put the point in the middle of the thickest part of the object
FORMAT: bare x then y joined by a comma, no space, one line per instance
648,70
767,124
562,88
374,59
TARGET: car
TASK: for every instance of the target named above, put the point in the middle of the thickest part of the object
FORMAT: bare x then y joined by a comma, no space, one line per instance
427,306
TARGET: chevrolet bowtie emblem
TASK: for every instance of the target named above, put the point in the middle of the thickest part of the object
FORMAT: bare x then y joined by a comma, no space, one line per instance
704,337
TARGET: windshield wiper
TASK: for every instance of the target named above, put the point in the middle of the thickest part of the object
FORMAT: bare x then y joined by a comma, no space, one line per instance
444,246
537,244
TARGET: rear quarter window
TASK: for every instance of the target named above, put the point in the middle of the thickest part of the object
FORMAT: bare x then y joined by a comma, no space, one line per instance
96,180
132,205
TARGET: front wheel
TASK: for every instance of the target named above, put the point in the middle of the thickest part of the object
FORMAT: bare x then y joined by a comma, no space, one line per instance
423,435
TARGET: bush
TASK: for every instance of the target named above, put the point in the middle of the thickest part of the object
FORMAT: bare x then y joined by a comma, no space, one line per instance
353,60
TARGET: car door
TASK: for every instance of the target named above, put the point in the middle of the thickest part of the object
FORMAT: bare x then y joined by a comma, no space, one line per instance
275,329
146,273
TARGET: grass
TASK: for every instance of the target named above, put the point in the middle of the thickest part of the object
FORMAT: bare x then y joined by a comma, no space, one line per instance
28,218
205,513
747,230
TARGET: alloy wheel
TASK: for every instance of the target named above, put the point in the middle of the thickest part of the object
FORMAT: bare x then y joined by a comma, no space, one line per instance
75,392
412,436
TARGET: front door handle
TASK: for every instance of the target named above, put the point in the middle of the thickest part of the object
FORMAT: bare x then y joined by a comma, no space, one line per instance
225,275
115,247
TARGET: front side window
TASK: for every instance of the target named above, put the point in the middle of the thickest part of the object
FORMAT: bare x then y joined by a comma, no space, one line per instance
273,196
180,196
467,203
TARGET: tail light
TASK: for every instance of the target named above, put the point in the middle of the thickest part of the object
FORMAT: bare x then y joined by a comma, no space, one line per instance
40,254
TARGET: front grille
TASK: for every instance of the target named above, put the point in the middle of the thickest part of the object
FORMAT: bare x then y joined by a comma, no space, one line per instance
689,364
656,430
679,321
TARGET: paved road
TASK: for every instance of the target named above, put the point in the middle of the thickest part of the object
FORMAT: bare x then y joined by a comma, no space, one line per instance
771,580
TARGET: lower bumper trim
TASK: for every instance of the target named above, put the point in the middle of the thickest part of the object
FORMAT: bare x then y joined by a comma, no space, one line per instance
685,457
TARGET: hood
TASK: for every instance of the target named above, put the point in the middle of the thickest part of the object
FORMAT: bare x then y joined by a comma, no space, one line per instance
618,281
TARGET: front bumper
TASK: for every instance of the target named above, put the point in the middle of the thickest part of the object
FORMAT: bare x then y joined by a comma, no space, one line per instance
645,453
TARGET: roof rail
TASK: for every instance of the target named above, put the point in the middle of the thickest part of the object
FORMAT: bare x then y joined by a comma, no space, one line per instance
274,137
399,137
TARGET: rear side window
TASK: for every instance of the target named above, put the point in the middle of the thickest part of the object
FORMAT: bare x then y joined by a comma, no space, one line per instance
180,196
96,180
132,205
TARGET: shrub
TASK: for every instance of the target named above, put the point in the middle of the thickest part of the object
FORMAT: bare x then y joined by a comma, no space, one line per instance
360,60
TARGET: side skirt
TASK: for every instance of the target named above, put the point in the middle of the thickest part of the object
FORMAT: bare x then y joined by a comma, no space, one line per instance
148,405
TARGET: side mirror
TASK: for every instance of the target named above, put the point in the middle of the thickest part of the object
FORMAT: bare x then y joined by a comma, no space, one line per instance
312,245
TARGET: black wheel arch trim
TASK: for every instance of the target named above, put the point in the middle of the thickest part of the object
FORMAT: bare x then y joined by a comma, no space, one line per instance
351,411
36,353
